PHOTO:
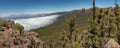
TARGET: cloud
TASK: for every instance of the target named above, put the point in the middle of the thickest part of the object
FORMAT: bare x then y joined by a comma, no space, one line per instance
6,14
33,23
29,19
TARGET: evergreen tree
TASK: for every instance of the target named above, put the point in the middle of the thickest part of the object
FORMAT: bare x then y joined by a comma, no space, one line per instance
72,26
117,14
71,38
96,28
63,39
50,43
103,26
94,9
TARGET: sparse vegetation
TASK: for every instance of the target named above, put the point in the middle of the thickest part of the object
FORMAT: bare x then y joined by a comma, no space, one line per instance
19,27
1,28
2,23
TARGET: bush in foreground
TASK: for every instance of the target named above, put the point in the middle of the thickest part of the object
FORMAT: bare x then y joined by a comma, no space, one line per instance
19,27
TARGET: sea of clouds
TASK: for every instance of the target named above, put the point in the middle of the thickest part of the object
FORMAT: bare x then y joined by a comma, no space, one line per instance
30,21
37,22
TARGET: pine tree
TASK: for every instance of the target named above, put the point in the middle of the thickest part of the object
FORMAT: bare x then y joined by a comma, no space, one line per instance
72,25
92,27
103,25
70,38
50,43
94,10
73,33
117,14
63,39
96,28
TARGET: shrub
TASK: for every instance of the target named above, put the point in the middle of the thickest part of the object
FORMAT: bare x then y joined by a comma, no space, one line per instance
1,28
83,10
2,21
19,27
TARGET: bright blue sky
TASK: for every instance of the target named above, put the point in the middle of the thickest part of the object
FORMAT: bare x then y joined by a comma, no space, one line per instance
8,6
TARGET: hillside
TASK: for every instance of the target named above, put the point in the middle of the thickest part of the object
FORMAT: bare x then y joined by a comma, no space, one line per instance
73,29
54,30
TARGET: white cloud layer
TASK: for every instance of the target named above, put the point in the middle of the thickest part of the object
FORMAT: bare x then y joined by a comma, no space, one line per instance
19,13
33,23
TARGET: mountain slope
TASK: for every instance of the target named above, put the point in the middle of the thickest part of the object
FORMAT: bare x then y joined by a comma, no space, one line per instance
54,30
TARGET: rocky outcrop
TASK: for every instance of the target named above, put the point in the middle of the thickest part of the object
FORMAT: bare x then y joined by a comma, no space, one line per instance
9,24
11,38
112,44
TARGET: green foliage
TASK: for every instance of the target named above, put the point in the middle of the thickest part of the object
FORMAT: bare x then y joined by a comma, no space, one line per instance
71,38
83,10
63,39
54,30
2,23
1,28
117,20
51,43
104,25
72,26
19,27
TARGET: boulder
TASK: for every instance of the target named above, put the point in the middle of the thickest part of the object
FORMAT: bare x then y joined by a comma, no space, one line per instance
12,39
112,44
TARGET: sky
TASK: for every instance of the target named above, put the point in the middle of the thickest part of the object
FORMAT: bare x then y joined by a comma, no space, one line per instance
47,6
